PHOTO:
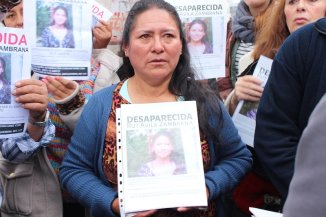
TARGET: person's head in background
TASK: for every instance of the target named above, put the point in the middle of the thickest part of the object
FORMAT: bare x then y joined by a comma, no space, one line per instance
197,32
60,17
14,17
283,18
5,6
301,12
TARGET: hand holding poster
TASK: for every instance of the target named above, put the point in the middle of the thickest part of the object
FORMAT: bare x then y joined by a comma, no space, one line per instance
244,116
160,158
14,66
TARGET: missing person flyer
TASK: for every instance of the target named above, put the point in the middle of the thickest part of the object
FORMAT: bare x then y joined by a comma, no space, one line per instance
204,23
15,65
159,157
61,37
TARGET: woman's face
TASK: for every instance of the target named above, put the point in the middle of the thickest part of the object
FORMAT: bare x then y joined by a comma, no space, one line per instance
162,147
196,32
60,17
14,18
154,46
301,12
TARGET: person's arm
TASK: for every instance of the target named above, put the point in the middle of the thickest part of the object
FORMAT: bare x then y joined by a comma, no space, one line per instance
307,188
233,159
20,149
80,173
32,95
277,124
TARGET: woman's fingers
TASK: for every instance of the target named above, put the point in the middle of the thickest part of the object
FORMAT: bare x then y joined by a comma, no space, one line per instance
59,87
248,88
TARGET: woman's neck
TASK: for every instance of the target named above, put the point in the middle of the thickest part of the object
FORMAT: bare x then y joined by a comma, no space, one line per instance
196,43
141,91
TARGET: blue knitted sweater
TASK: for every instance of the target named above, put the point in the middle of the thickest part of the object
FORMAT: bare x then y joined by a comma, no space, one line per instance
82,174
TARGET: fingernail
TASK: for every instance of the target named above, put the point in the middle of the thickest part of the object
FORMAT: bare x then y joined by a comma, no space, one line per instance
13,92
17,84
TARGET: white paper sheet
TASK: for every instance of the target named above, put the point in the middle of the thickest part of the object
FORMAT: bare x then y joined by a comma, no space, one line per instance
15,52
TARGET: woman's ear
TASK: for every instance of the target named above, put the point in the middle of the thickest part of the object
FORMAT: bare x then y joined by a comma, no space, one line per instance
125,49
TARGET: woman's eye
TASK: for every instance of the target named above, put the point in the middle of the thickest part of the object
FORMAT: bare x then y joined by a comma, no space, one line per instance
145,36
10,15
169,36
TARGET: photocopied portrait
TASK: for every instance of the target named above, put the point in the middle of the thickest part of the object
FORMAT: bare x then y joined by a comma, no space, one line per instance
5,71
55,27
199,36
161,154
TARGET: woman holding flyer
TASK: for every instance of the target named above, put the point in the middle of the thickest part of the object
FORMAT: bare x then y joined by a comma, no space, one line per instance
5,95
267,43
67,99
156,68
59,33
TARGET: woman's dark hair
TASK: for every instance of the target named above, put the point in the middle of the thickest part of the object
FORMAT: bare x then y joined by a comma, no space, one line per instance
61,7
183,82
3,64
203,24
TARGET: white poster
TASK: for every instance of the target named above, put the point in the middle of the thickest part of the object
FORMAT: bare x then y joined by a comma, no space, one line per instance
15,65
205,26
159,154
61,37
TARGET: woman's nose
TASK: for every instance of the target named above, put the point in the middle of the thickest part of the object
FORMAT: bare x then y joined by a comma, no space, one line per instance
158,46
301,5
19,21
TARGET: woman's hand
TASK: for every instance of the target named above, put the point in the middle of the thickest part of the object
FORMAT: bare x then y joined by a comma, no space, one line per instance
59,87
116,210
102,33
186,209
145,213
33,96
248,88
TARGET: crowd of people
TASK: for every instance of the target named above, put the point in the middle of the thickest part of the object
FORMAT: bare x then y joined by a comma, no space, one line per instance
66,162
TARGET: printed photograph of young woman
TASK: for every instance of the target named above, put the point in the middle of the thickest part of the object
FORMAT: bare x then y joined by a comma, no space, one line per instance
159,153
197,35
56,27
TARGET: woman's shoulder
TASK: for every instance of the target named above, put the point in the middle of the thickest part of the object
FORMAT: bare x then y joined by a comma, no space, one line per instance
105,92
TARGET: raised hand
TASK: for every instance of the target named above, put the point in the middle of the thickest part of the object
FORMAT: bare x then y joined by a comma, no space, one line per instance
59,87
